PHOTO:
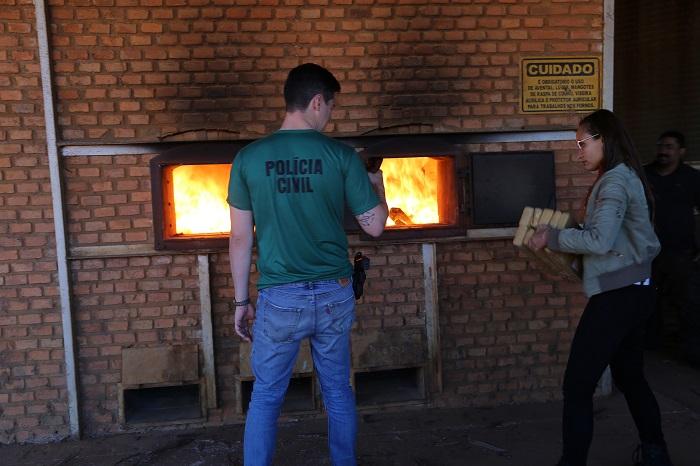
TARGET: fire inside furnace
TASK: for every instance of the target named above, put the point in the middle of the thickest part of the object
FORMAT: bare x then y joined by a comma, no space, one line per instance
420,192
199,204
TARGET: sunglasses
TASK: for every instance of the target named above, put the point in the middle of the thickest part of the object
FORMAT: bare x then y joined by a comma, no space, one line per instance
580,142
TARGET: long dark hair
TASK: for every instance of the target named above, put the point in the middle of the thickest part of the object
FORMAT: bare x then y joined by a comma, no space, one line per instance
617,147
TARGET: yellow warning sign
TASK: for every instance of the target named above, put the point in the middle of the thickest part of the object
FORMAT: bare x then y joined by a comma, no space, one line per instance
560,84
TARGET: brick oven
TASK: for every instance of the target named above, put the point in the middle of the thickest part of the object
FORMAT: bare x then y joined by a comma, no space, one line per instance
189,189
112,300
425,183
436,191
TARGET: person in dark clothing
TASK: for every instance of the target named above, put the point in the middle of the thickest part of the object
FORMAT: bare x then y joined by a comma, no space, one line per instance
676,190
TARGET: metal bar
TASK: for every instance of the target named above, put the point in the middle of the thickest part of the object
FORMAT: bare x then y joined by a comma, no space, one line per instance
58,217
207,332
491,233
608,52
355,141
605,385
113,250
113,149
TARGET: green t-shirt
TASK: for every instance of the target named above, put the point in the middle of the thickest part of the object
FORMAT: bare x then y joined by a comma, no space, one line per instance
297,182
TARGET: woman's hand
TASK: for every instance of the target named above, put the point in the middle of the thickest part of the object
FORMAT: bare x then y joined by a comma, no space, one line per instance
539,239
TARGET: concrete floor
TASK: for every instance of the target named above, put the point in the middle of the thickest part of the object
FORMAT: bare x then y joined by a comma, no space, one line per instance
522,435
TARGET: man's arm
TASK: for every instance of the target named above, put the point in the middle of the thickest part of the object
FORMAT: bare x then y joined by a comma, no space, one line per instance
240,252
373,221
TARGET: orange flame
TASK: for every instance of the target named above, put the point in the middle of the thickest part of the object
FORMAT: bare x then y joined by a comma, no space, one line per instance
199,195
200,191
411,186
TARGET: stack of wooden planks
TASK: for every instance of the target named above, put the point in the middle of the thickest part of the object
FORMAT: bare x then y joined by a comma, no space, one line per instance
553,262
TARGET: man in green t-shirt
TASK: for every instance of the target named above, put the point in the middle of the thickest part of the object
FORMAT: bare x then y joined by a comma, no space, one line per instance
293,185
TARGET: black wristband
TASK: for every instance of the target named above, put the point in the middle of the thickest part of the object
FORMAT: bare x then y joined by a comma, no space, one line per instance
245,302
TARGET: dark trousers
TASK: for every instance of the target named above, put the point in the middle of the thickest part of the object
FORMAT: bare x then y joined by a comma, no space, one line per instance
610,333
670,274
690,318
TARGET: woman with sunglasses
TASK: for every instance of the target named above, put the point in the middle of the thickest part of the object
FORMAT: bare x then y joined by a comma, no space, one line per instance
618,244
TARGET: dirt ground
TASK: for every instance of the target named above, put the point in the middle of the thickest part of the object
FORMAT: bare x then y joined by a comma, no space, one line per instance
522,435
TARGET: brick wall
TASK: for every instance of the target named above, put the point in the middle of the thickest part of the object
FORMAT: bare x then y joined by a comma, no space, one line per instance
141,70
505,326
108,200
127,302
32,383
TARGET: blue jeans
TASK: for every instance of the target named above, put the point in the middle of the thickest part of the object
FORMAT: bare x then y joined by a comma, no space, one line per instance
322,311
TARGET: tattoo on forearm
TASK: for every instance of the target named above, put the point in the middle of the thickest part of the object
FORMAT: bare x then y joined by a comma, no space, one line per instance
366,219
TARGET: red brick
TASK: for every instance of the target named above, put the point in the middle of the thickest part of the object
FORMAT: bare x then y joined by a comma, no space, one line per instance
7,95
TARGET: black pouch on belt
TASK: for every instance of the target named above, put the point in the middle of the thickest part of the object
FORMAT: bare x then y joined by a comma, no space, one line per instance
360,264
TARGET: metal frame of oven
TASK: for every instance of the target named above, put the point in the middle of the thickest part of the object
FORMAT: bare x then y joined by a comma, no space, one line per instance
401,146
205,153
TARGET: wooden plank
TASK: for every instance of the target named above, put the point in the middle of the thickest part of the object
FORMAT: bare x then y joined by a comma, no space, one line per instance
209,368
556,218
539,216
396,347
569,264
80,252
552,262
432,320
159,364
546,217
524,233
523,226
566,221
544,254
304,363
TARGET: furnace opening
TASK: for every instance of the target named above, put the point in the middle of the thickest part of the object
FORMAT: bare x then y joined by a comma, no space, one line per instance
300,395
190,183
196,200
162,404
389,386
420,191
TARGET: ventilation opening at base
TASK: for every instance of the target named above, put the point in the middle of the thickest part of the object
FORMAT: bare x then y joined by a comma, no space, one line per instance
162,404
299,396
389,386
